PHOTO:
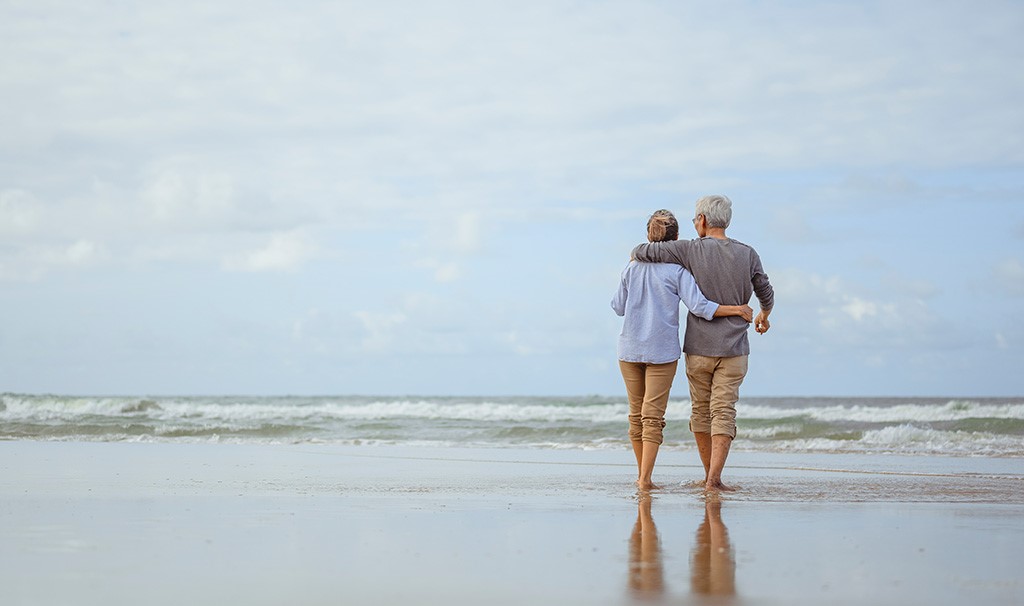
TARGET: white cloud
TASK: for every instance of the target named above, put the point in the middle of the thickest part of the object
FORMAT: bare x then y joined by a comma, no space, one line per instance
381,329
449,242
173,195
348,118
33,262
459,92
82,252
859,309
19,212
835,313
284,252
443,271
468,235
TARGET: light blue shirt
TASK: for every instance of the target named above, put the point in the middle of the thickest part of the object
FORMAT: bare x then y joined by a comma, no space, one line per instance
648,297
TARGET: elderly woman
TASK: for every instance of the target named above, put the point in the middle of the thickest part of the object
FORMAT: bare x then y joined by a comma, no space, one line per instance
648,297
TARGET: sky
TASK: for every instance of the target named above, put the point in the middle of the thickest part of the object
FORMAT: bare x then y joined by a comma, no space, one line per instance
437,198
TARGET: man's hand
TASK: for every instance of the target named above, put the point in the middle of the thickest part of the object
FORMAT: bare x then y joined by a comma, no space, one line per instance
761,324
746,312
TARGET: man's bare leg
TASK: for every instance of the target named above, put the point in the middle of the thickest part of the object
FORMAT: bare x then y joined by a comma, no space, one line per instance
704,449
720,445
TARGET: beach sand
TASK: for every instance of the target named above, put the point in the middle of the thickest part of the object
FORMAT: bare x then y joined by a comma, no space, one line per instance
170,523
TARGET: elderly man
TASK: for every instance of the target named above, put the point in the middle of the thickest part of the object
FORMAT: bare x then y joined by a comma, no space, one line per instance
716,350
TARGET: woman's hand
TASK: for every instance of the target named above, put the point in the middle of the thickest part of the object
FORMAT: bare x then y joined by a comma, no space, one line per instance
743,311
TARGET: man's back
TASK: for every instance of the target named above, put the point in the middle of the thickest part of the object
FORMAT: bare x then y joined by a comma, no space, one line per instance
727,271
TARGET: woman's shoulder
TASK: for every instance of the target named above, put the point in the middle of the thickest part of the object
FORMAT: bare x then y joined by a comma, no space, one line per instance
661,272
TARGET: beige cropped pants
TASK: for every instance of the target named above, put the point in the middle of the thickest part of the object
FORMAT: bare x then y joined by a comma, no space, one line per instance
647,388
714,391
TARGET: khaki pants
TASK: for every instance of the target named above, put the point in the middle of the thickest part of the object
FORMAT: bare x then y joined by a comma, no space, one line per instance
647,387
714,391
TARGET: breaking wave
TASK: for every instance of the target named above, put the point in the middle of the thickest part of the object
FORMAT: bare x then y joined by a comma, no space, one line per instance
986,427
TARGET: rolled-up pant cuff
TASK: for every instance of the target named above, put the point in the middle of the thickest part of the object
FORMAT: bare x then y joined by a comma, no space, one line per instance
714,391
647,387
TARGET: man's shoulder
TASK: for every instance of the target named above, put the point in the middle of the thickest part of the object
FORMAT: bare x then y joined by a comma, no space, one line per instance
709,242
744,245
681,244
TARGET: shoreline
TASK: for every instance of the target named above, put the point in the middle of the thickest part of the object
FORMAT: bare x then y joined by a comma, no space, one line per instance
112,523
192,469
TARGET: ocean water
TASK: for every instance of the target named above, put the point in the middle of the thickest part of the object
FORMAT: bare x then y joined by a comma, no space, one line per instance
972,426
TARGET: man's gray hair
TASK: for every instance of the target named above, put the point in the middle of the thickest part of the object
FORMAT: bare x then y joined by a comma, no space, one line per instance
717,210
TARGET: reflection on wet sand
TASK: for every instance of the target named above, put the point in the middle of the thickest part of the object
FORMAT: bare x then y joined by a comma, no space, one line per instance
646,579
713,566
712,562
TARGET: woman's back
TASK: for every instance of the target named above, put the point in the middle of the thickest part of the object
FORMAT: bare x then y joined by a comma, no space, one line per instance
648,297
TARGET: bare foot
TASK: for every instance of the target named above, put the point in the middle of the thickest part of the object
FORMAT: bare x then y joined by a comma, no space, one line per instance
717,486
647,486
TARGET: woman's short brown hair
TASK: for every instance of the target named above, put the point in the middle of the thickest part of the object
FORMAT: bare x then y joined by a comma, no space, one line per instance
662,226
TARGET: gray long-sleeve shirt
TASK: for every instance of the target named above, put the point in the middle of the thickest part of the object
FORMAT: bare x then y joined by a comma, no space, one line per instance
727,271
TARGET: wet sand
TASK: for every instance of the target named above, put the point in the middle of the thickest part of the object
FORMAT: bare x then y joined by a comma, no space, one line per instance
119,523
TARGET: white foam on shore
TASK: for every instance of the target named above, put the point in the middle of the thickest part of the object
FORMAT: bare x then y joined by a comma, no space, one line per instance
910,439
56,407
953,410
47,408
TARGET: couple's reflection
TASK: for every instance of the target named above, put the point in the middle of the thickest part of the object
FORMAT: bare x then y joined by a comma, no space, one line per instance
712,565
